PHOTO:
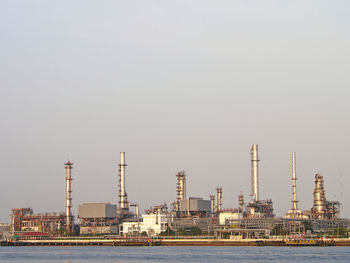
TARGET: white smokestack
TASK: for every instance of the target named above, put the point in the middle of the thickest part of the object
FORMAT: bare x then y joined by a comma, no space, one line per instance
69,217
255,178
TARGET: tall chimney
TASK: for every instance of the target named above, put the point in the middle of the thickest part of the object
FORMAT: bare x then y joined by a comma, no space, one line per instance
123,197
255,178
69,217
294,179
219,198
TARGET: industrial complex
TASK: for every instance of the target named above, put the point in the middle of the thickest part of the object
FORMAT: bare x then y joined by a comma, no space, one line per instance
187,215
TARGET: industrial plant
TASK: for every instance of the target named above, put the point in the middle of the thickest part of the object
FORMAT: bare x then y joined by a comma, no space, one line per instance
187,215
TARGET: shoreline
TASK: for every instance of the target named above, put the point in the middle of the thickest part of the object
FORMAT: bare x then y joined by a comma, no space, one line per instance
181,242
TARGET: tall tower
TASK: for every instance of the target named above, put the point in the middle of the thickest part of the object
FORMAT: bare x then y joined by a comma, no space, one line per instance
123,197
181,188
219,198
212,203
69,217
294,179
319,208
255,178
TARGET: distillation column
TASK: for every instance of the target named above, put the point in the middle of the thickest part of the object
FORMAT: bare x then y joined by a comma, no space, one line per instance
319,207
69,217
181,188
212,203
241,203
123,197
219,198
255,178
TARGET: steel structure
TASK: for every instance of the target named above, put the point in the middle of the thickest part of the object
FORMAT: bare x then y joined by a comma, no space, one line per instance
295,212
319,207
69,217
16,218
181,188
24,220
323,209
260,209
219,198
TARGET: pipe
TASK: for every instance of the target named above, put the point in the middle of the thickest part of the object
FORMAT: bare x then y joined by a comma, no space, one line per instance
255,178
69,217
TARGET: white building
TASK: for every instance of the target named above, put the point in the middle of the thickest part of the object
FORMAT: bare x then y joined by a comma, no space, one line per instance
229,216
152,224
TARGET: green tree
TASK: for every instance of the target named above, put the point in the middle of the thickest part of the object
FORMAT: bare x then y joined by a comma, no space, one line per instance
195,231
278,231
308,226
182,232
340,232
61,231
167,232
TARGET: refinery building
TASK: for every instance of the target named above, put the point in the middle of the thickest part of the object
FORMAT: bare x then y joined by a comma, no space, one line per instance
252,218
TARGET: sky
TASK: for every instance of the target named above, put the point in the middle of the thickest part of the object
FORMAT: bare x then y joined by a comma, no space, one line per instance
177,85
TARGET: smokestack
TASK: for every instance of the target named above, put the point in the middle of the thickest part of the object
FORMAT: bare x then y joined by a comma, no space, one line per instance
181,188
219,198
294,179
69,217
255,178
123,197
212,203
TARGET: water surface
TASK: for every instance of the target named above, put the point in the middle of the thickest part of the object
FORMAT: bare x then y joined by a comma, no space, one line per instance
174,254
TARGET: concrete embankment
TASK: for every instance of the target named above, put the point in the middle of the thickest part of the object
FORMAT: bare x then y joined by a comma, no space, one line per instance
342,242
220,242
179,242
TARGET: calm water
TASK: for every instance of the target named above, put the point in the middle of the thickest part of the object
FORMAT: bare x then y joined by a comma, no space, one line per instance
174,254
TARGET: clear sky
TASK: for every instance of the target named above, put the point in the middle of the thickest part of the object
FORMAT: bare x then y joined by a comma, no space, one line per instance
177,85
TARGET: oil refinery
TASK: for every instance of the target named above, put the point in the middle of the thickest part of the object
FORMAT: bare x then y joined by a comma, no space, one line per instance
187,215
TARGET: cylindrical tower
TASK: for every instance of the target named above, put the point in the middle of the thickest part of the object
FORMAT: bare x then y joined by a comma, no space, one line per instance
181,187
212,203
219,198
319,207
69,217
241,202
255,178
123,197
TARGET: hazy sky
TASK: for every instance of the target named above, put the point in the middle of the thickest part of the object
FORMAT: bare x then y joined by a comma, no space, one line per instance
177,85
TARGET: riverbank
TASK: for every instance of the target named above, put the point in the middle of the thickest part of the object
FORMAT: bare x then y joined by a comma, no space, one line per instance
180,242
